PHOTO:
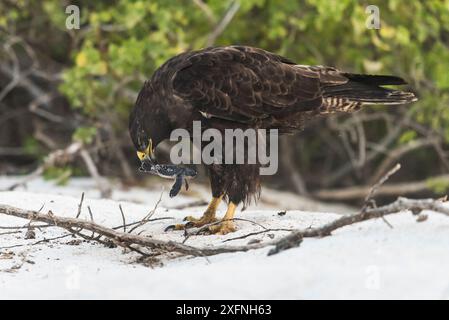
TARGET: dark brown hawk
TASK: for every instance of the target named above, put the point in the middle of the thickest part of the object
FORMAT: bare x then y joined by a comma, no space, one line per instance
245,87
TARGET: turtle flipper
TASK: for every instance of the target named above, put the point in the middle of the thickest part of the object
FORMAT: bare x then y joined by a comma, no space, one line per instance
176,186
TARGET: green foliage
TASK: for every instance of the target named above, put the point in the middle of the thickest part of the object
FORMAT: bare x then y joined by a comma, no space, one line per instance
438,185
58,174
407,136
125,41
85,134
31,147
122,42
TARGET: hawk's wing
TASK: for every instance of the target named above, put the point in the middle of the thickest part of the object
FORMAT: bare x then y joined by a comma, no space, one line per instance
244,84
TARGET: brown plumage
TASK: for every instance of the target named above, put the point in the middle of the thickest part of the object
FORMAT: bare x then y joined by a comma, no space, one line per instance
245,87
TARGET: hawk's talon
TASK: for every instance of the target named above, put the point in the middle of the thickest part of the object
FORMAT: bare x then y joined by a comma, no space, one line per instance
178,226
170,228
192,222
189,224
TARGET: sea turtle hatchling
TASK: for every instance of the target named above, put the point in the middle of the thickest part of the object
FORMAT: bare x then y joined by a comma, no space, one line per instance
170,171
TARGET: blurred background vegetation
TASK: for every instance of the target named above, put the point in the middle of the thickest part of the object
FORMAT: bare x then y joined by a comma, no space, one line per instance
62,88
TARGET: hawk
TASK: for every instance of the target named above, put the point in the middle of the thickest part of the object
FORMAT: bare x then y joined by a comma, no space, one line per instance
245,87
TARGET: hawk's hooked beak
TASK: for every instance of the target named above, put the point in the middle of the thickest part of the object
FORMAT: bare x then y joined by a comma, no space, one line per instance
148,153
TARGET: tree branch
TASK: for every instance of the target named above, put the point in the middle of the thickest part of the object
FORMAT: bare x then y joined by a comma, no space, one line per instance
221,26
393,189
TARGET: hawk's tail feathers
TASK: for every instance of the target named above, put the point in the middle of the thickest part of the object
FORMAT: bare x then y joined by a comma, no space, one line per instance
377,80
367,89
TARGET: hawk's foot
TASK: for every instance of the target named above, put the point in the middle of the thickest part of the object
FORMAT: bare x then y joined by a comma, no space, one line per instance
222,228
227,225
192,222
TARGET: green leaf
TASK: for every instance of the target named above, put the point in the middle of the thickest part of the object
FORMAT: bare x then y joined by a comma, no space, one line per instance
407,136
85,135
59,175
438,185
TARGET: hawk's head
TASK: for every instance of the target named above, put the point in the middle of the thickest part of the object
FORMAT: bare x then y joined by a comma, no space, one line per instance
148,123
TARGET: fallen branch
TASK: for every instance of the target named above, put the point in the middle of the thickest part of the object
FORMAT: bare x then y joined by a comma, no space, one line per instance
368,211
392,189
400,205
119,238
255,234
292,240
54,158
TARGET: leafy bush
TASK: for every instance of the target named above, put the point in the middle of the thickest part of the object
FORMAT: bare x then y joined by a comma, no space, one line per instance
122,42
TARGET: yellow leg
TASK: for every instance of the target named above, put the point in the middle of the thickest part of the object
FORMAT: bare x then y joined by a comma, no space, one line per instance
227,224
208,216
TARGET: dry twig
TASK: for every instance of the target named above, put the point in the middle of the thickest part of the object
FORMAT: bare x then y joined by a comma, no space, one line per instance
123,217
147,218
